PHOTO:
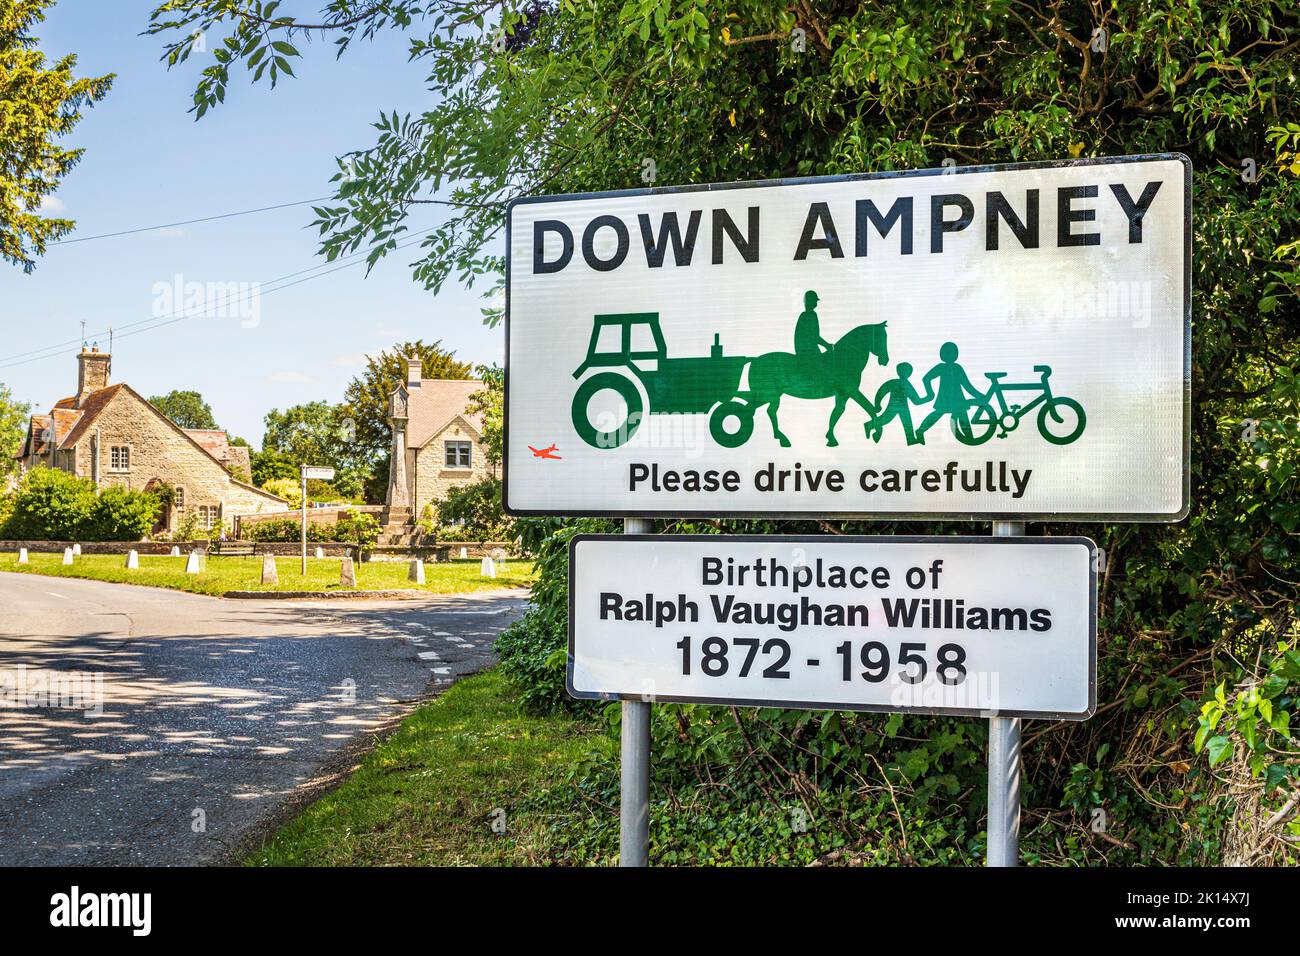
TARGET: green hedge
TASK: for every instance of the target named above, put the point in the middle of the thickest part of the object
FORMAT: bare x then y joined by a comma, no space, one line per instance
352,527
52,505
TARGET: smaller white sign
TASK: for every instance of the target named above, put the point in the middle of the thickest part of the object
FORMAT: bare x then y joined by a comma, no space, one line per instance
321,472
941,625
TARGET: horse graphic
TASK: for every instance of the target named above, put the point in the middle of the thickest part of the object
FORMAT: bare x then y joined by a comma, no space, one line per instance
836,373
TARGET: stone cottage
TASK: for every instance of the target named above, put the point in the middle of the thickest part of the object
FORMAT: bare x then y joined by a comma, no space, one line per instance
437,446
113,436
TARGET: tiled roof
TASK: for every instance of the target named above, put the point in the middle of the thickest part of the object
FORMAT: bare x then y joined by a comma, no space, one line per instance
36,443
435,403
216,442
212,440
95,403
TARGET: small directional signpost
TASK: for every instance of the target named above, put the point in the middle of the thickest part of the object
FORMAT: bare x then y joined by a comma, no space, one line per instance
313,472
998,343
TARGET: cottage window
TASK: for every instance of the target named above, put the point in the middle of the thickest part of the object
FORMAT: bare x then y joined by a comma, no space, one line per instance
179,499
209,515
119,458
458,454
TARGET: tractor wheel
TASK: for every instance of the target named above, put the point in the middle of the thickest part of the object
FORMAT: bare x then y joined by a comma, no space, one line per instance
607,432
718,423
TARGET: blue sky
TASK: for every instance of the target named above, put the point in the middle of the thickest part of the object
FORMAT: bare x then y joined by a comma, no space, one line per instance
148,162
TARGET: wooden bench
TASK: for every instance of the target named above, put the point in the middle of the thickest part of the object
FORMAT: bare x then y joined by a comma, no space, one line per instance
233,548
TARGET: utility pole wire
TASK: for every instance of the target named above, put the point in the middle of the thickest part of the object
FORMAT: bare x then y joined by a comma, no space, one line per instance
187,222
157,322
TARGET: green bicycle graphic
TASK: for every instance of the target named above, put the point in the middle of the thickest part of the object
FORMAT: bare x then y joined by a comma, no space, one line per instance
1060,420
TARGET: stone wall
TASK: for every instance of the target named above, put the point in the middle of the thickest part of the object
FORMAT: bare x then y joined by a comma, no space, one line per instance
475,550
160,451
432,478
333,549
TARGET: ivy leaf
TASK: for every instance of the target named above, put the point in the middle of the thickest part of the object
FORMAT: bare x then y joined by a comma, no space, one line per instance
1219,749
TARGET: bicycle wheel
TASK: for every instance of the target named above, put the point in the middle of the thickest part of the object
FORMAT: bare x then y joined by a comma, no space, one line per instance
983,423
1061,421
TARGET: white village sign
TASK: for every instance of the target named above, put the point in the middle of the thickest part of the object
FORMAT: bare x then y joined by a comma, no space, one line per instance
990,342
964,625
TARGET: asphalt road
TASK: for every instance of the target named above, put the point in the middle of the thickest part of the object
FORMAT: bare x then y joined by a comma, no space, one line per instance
214,713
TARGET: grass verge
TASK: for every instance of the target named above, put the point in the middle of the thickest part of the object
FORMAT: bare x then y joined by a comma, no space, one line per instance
222,574
427,795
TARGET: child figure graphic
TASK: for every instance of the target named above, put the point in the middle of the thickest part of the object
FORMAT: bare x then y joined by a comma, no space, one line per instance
954,387
901,395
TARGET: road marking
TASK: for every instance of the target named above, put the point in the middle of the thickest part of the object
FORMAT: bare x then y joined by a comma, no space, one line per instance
53,594
429,656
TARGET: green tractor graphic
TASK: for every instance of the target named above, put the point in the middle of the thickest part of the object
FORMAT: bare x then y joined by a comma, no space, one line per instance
663,386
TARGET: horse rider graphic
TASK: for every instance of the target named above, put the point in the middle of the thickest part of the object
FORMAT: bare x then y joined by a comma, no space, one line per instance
808,341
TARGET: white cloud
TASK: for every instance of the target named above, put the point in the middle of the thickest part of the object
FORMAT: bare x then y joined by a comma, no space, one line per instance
289,377
350,361
51,204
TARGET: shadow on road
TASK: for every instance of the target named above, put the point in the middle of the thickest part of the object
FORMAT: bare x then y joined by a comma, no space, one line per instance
224,707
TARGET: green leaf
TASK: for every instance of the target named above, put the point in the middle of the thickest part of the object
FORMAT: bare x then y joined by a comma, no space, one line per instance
1219,749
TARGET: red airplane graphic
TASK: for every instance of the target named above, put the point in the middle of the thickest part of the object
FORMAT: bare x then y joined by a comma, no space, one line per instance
545,453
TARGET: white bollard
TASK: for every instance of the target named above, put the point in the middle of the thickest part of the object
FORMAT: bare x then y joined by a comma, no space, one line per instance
488,569
347,574
67,555
416,571
192,563
76,550
269,573
175,551
22,556
132,560
320,552
464,553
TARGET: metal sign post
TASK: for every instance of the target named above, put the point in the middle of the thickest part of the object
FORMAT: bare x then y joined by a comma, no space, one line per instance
323,473
634,804
1004,765
304,521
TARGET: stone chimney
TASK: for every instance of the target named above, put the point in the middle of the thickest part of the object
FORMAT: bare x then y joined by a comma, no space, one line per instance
92,372
413,373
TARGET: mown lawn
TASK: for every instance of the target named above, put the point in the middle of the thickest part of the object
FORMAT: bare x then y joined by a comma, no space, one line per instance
221,574
429,795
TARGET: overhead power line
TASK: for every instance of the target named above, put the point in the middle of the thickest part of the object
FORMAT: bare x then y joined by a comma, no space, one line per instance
186,222
277,284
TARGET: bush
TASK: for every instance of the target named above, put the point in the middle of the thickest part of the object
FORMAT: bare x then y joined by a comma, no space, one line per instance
122,515
53,505
533,650
357,527
474,513
352,527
